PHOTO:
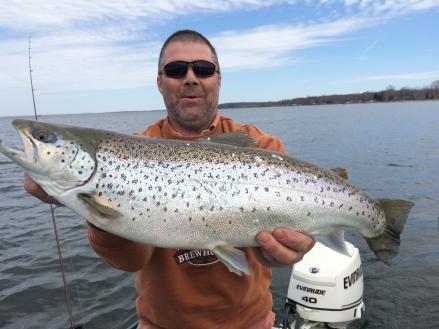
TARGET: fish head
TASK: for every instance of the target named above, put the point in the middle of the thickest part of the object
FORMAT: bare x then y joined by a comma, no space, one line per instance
57,157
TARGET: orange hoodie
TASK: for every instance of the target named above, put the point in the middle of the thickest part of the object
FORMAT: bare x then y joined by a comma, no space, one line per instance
191,289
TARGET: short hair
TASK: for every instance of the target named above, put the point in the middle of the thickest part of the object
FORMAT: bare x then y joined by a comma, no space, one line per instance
190,36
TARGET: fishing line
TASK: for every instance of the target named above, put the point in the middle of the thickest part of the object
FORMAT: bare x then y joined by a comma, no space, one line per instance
61,265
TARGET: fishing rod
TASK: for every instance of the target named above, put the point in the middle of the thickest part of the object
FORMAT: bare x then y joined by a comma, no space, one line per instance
61,264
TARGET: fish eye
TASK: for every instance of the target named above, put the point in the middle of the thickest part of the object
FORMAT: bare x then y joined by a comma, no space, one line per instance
44,136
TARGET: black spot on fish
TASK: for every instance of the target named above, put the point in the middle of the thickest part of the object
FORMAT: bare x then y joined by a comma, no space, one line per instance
289,198
100,194
190,219
140,189
308,214
241,209
230,222
266,189
63,160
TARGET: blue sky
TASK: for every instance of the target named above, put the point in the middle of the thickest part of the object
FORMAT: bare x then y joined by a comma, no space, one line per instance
101,55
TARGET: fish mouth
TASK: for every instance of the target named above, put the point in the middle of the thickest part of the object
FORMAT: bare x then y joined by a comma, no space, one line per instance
27,157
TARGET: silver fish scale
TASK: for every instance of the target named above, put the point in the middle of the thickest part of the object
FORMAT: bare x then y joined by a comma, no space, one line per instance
199,195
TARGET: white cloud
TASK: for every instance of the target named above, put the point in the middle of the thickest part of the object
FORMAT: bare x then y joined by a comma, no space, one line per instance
27,15
412,76
270,45
104,45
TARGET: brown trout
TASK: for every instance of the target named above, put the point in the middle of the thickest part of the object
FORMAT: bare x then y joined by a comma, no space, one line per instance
216,193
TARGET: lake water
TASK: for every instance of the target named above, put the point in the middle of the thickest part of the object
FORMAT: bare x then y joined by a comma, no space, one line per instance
390,150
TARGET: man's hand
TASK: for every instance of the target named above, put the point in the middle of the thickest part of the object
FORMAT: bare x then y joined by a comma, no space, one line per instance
34,189
283,247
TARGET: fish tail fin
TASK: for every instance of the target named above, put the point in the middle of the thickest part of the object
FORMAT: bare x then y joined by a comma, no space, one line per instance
386,245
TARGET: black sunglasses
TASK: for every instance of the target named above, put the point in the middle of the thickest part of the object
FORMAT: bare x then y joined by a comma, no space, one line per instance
178,69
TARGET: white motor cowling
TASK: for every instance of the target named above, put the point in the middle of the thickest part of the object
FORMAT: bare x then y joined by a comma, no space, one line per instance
326,288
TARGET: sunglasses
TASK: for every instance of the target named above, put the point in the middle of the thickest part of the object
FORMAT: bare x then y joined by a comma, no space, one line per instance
178,69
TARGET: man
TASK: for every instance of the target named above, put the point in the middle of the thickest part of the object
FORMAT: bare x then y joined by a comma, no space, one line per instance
188,289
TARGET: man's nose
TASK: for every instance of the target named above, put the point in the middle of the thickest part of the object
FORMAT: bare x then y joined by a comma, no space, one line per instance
190,77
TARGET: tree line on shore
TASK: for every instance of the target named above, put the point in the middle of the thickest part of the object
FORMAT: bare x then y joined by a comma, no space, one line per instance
390,94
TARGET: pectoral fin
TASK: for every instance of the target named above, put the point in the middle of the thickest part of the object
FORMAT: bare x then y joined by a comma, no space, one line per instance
234,258
101,212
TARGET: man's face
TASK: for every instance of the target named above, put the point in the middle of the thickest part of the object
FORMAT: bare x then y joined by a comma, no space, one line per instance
191,101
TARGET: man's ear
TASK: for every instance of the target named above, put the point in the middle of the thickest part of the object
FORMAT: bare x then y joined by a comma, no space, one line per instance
159,82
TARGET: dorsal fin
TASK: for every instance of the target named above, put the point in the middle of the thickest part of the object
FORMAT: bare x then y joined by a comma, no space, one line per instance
342,172
235,138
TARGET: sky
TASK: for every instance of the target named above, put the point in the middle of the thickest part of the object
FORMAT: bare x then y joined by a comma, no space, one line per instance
101,55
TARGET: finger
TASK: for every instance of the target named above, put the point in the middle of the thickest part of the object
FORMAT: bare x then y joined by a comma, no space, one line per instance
264,258
297,241
34,189
276,252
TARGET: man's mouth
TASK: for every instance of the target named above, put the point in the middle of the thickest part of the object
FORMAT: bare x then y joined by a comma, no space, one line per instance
191,97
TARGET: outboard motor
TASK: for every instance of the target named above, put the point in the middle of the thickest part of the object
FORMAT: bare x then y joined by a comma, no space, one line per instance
326,289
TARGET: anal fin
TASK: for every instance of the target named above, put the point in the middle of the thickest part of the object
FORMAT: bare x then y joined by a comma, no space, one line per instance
333,239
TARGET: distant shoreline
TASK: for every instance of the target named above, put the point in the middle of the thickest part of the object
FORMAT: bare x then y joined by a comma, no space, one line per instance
383,96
